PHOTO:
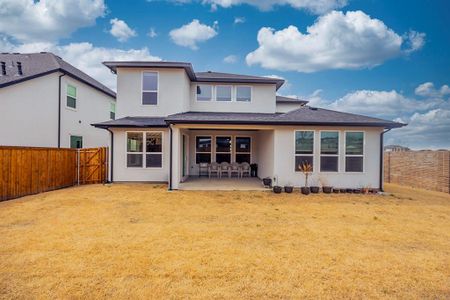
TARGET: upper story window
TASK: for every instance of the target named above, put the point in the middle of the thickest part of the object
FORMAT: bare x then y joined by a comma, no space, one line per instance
223,93
71,100
112,111
243,93
204,92
150,88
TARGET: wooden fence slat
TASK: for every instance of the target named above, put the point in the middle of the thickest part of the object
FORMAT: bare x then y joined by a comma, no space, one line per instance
32,170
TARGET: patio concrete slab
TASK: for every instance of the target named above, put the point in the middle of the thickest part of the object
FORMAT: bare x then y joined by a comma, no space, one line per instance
222,184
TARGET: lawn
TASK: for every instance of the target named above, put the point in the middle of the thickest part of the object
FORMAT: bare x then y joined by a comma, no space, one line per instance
141,241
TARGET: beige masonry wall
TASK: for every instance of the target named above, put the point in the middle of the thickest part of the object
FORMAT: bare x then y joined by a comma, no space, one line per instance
422,169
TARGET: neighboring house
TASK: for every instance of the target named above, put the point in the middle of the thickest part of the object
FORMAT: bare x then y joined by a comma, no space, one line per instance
170,119
46,102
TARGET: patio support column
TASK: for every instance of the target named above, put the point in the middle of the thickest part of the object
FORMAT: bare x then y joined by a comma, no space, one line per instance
176,153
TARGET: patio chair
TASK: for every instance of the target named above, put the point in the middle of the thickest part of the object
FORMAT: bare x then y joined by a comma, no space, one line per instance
203,169
245,169
224,168
214,169
235,168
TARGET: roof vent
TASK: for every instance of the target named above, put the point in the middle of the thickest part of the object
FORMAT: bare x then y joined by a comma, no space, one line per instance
313,108
16,53
209,72
19,68
3,65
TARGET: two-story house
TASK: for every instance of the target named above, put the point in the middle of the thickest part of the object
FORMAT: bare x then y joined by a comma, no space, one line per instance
46,102
171,119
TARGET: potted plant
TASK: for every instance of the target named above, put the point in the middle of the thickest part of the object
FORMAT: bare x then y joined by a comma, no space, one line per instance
277,189
267,182
365,189
327,189
314,188
306,168
289,188
336,191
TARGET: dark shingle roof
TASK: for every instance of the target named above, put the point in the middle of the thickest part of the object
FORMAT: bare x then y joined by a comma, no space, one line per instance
303,116
282,99
195,77
40,64
134,122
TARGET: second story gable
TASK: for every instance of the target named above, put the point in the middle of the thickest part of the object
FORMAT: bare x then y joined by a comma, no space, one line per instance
165,88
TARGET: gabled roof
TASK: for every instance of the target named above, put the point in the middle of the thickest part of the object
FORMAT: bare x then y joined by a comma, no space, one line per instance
282,99
39,64
195,76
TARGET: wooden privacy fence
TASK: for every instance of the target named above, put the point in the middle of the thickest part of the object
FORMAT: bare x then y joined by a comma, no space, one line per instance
29,170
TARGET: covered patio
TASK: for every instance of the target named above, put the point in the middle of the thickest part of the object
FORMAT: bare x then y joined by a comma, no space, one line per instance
222,184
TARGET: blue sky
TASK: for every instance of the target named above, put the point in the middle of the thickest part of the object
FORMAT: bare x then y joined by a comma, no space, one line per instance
388,59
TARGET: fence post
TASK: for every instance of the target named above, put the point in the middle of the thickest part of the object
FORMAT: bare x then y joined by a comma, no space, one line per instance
78,166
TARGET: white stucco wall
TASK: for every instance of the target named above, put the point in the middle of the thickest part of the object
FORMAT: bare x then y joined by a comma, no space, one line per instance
284,159
29,113
263,100
265,153
92,106
123,173
173,92
285,107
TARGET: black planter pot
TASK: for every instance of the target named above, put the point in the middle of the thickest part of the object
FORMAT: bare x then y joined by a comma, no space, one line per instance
349,191
336,191
343,191
356,191
288,189
305,190
315,189
267,181
327,189
277,189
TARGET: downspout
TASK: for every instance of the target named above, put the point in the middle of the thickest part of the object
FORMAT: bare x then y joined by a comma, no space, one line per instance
382,158
170,159
59,109
111,156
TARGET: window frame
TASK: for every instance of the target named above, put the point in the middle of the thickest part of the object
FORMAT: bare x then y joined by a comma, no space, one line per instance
210,151
215,146
237,152
311,155
144,150
354,155
236,93
212,92
329,155
223,85
142,87
76,96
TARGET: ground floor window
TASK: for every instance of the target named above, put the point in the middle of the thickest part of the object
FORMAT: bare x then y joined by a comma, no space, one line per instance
329,151
151,154
243,149
223,149
354,151
304,148
76,141
203,149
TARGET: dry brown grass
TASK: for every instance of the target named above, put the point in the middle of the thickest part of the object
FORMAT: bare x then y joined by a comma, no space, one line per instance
140,241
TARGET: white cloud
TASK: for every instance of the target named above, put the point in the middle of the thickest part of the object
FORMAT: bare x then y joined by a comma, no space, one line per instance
191,34
231,59
152,33
239,20
120,30
427,89
337,40
47,20
313,6
92,56
414,41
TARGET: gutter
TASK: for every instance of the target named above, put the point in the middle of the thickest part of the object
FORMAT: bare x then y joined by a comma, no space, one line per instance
382,158
170,159
111,155
59,109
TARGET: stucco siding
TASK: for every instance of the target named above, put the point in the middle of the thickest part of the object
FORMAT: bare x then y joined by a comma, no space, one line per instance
29,113
265,153
123,173
284,159
286,107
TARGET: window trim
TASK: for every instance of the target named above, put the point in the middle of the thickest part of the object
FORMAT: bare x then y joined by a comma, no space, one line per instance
312,155
212,92
144,150
237,152
223,85
142,88
329,155
210,152
235,93
354,155
76,96
215,146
